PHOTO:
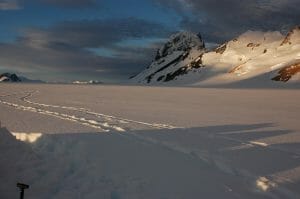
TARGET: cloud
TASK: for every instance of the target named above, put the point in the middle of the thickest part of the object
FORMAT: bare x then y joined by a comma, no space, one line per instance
65,48
67,62
95,33
221,20
71,3
9,5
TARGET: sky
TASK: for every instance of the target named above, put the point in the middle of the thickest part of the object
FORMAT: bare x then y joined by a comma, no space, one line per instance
109,41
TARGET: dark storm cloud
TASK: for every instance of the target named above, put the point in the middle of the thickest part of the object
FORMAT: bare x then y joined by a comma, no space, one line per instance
65,47
96,33
19,4
25,56
29,59
71,3
221,20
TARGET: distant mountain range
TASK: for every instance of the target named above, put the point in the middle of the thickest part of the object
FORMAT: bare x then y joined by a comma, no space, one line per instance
13,78
8,77
87,82
252,58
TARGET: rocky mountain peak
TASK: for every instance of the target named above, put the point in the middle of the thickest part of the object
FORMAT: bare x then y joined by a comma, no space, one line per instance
8,77
182,41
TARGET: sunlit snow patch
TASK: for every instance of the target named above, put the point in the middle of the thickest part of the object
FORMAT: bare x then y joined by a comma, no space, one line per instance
259,143
27,137
264,184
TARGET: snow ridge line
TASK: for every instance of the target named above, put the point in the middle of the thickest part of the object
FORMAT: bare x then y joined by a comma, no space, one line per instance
99,115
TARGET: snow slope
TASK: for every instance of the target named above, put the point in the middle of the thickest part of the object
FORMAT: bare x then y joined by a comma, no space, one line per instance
174,142
261,57
79,166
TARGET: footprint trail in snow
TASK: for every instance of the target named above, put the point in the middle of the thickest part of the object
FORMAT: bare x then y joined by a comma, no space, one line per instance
83,116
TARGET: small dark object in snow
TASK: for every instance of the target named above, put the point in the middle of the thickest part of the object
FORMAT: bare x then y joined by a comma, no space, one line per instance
22,187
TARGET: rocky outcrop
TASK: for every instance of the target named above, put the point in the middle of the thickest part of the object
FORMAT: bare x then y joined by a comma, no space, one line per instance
288,38
286,73
221,49
8,77
183,41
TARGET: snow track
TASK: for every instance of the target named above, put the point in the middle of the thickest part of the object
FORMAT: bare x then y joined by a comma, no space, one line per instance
99,121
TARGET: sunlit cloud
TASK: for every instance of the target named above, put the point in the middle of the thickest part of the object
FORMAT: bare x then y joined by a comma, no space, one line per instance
264,184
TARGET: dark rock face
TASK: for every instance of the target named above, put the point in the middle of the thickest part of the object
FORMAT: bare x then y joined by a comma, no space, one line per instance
286,73
197,63
179,55
15,78
183,41
180,71
221,49
287,39
7,77
175,61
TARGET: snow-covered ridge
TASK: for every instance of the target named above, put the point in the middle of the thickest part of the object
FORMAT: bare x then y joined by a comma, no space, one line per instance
255,56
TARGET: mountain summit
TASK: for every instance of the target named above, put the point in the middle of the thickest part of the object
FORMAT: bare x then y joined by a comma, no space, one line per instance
182,41
173,58
8,77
